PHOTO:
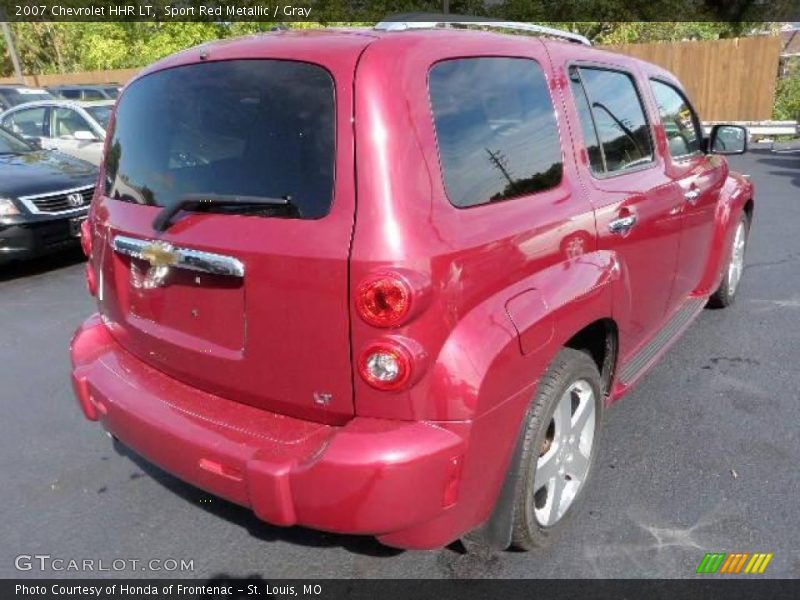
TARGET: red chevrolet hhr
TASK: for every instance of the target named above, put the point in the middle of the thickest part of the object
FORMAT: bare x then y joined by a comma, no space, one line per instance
387,281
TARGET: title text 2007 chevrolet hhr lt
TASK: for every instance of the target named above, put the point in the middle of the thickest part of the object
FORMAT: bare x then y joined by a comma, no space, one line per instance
387,281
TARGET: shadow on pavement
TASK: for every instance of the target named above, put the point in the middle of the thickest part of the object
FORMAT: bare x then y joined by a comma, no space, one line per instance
38,266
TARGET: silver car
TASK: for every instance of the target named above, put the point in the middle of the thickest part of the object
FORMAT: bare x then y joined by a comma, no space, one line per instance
73,127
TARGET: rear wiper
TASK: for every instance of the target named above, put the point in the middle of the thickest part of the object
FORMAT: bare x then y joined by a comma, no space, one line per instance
164,219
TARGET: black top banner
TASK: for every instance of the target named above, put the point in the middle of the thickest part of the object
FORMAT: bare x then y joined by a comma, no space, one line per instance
367,11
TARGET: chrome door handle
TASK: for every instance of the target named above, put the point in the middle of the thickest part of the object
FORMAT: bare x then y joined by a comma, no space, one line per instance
691,196
622,225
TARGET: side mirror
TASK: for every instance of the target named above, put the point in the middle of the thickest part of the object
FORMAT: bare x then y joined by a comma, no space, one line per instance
84,136
728,139
35,142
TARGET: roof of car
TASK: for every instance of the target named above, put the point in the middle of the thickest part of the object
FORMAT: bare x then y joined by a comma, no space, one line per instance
325,42
64,103
81,86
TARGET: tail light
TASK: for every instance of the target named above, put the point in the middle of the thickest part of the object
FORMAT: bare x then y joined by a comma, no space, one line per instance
385,365
384,300
86,238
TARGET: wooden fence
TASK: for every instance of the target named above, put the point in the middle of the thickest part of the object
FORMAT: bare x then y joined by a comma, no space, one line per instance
727,80
111,76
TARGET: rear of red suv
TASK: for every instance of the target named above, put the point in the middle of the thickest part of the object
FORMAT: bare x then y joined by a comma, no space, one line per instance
377,282
219,250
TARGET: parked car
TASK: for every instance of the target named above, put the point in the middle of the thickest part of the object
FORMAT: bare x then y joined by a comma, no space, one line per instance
387,284
84,91
75,128
13,95
44,197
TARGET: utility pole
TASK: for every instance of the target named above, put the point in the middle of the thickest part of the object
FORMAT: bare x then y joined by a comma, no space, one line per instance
12,51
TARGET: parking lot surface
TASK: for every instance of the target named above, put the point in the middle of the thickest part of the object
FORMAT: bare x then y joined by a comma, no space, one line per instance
702,457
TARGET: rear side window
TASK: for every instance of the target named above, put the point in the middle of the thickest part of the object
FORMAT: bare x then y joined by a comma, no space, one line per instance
496,129
618,119
28,123
680,122
240,128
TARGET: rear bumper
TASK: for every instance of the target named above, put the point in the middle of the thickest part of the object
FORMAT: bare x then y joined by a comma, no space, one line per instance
369,476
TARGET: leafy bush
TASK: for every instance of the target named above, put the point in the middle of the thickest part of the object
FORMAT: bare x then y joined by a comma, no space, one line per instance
787,98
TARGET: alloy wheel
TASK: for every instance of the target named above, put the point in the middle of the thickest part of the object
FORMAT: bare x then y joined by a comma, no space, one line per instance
736,265
564,456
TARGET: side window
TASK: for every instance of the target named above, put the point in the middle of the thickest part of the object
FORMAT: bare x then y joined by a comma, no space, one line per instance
680,121
496,129
619,119
27,123
587,124
66,122
73,94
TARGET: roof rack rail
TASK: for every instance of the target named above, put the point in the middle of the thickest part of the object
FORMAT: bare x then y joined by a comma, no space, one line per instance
404,22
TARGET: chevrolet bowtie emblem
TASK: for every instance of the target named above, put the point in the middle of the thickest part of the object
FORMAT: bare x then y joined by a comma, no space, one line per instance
161,256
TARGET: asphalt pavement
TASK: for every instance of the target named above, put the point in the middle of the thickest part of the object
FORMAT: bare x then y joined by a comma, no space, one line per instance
702,457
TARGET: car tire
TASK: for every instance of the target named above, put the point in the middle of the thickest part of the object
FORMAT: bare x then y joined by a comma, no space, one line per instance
560,443
734,268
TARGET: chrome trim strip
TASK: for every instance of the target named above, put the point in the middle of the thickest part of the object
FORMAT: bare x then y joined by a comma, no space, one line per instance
186,258
486,24
28,201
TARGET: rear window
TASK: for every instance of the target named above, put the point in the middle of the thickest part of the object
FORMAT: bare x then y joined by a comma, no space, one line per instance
496,129
22,95
239,128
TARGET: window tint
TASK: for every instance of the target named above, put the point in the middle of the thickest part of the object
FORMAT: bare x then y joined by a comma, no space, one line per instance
239,127
101,114
27,123
680,122
587,125
619,118
71,93
496,129
66,122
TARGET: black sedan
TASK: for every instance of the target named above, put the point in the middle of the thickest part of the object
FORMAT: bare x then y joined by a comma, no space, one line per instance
44,197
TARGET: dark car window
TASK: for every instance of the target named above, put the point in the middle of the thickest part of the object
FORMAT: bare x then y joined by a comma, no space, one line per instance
31,122
101,114
495,127
679,120
72,94
10,144
22,95
239,127
619,119
91,94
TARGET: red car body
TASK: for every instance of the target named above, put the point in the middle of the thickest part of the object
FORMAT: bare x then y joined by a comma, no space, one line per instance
253,391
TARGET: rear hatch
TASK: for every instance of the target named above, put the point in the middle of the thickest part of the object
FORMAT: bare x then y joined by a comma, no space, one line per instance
242,298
